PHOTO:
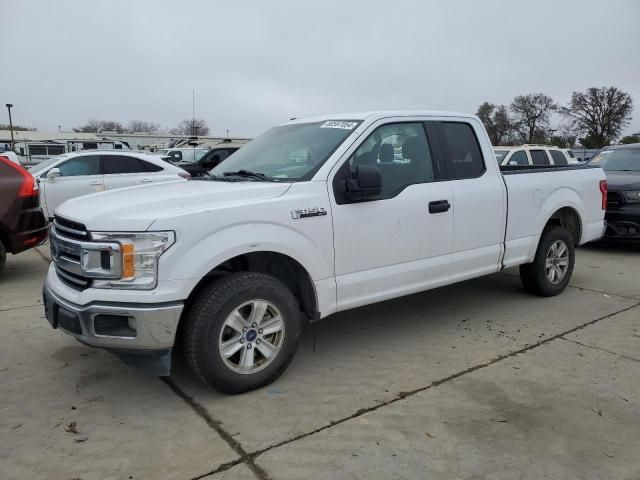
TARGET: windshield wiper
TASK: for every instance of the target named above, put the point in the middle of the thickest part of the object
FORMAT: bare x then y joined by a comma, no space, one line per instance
249,174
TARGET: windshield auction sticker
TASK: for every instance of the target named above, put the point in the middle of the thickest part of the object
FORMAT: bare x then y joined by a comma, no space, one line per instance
339,124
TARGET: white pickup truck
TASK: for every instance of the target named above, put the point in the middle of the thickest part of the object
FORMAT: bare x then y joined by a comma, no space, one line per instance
313,217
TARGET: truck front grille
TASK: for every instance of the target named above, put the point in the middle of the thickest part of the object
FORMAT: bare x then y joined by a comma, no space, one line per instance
66,250
71,229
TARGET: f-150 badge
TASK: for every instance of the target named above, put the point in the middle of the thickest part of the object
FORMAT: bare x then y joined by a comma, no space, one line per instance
308,212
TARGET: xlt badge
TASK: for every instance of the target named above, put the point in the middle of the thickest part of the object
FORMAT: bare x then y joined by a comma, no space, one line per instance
308,212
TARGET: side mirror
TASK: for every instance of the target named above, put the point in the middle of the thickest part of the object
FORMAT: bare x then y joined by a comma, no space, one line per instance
367,183
53,173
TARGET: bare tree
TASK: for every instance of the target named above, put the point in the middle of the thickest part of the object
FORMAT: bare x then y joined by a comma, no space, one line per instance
600,114
97,126
141,126
497,121
194,127
531,115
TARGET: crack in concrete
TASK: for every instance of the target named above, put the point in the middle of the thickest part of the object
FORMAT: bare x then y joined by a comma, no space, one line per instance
18,308
249,458
600,349
226,436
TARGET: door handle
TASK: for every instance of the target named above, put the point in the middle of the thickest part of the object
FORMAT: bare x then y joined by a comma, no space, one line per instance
146,180
439,206
95,183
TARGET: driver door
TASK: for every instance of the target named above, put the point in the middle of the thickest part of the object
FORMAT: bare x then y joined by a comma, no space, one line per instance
400,241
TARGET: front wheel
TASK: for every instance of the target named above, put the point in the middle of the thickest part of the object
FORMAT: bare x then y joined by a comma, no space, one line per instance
241,332
551,269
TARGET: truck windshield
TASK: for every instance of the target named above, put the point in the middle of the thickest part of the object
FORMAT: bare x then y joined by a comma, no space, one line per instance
289,152
619,159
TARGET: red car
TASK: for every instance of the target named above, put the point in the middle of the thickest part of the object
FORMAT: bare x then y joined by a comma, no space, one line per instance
22,223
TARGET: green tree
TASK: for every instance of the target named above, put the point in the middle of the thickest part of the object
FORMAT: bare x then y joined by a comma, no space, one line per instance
630,139
600,114
17,128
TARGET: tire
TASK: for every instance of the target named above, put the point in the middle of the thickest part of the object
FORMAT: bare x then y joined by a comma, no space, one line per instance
224,314
537,277
3,256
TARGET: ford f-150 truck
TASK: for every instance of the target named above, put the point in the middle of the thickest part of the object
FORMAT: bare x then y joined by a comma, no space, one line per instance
313,217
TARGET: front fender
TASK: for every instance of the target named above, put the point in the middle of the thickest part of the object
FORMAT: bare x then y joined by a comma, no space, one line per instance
218,247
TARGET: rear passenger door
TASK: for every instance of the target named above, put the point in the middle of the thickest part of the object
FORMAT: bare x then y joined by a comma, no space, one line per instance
125,171
558,157
539,157
479,202
400,241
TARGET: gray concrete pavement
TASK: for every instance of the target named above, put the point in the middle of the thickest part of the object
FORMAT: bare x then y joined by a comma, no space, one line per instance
476,380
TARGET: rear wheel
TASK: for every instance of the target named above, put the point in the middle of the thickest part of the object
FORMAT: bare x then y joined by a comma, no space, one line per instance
242,332
3,256
551,269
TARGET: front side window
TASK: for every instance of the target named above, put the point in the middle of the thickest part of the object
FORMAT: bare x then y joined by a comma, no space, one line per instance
519,158
558,157
271,153
539,157
401,152
84,165
463,158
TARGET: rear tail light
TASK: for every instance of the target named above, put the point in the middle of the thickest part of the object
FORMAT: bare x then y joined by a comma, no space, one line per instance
185,175
29,186
603,191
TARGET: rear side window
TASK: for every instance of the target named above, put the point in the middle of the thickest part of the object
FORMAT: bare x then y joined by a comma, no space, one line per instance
558,157
463,157
520,158
84,165
539,157
112,164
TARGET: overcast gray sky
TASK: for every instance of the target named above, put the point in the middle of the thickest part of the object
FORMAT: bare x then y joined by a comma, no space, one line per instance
256,63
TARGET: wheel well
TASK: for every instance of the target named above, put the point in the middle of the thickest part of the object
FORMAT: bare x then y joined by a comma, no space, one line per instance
279,266
569,219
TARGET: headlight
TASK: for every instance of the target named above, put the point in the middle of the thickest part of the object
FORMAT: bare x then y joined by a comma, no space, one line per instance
632,195
131,264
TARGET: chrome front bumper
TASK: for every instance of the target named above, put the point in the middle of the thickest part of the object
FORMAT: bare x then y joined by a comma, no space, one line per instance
151,327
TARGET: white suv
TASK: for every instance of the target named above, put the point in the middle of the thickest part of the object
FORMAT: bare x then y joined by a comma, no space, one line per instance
539,155
76,174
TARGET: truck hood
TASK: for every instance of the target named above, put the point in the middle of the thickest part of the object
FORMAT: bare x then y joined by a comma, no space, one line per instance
136,208
623,180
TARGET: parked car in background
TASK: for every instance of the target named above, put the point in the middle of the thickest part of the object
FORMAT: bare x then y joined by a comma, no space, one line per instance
75,174
22,223
313,217
538,155
11,156
571,157
621,164
175,155
210,159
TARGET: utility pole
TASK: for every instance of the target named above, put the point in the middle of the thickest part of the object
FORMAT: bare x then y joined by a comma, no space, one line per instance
13,143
